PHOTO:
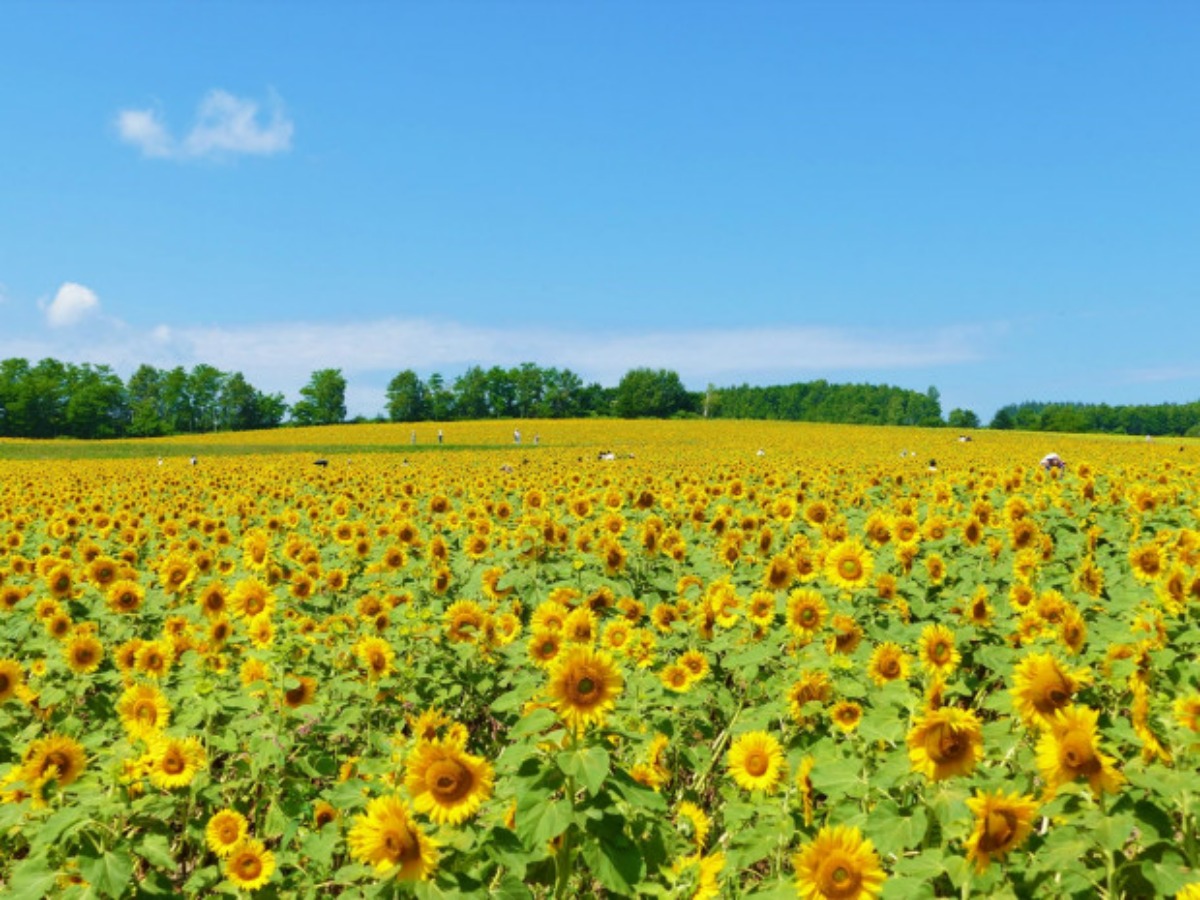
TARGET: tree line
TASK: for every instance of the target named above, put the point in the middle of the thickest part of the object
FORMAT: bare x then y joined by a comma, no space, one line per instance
1159,419
60,399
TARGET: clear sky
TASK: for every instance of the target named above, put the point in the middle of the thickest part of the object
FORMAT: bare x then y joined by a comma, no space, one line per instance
999,199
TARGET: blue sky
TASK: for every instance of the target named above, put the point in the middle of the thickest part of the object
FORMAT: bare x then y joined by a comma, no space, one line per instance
999,199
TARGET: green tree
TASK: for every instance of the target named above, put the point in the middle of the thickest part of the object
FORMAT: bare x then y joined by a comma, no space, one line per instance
407,398
323,399
649,393
962,418
144,392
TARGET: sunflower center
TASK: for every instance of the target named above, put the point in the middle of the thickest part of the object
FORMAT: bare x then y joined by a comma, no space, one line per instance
757,763
890,668
5,684
229,832
249,866
808,616
944,745
296,695
999,828
939,652
1078,755
850,568
146,712
449,780
59,762
173,763
585,686
838,877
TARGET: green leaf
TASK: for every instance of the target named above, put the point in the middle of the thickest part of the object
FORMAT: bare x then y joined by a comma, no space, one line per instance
32,879
1167,878
537,721
927,864
837,778
58,825
1113,831
588,765
275,823
615,862
109,874
901,887
156,850
542,821
509,887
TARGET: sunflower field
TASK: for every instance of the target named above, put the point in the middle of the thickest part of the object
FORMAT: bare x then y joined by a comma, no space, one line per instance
636,659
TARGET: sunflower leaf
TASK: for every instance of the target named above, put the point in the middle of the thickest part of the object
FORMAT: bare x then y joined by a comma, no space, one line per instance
108,874
588,765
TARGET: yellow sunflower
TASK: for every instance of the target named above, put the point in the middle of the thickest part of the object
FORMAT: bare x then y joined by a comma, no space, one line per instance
249,865
323,813
1042,686
224,830
302,693
756,762
386,837
937,651
447,783
1070,750
376,656
1002,823
846,715
838,864
584,684
888,662
174,762
12,679
124,596
1148,562
143,710
848,565
810,687
56,757
806,612
945,742
696,823
84,654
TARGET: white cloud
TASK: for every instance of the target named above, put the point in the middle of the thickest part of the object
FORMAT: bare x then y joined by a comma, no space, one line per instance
224,126
143,129
1180,372
71,305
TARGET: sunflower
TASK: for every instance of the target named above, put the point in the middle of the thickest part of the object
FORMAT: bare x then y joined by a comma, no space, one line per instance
584,684
580,626
1147,561
252,598
386,837
848,565
376,656
756,762
811,687
695,662
617,635
945,742
303,692
55,757
174,762
888,662
761,610
846,715
806,612
544,646
224,830
124,596
84,653
12,679
154,658
261,631
324,812
937,651
1069,750
143,710
696,823
60,581
1042,686
1002,823
838,864
847,635
447,783
676,678
463,621
1187,712
249,865
780,573
176,573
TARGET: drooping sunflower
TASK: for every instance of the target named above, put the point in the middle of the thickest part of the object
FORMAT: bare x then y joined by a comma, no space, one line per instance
56,757
888,662
806,612
447,783
756,762
847,635
945,742
84,654
695,822
386,837
1042,686
584,684
249,865
838,864
1002,823
143,710
174,762
1070,749
937,651
302,693
224,830
849,565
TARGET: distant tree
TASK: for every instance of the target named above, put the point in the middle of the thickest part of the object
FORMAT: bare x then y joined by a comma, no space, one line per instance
1004,419
649,393
144,392
97,403
441,400
529,385
471,394
324,399
407,398
962,418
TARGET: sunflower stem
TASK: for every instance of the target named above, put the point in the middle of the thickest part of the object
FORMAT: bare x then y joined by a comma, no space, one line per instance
562,860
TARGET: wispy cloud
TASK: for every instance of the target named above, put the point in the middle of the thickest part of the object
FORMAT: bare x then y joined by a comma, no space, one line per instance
71,305
225,125
1159,374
